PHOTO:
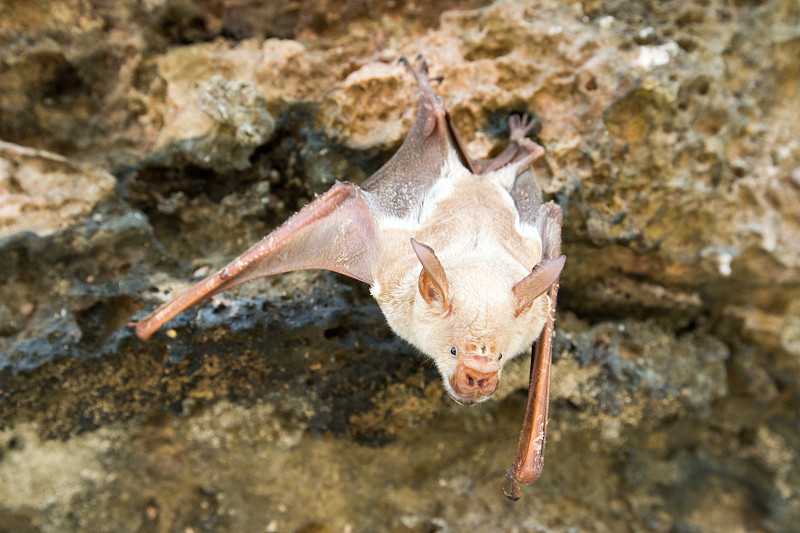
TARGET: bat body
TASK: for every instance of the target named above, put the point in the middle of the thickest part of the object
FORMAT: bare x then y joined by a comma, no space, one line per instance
472,224
462,257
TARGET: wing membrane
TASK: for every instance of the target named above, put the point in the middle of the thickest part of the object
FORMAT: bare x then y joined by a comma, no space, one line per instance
334,232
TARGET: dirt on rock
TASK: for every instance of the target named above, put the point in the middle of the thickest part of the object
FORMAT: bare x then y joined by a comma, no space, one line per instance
145,144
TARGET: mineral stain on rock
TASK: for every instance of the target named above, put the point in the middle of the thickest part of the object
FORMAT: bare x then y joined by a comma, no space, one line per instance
672,146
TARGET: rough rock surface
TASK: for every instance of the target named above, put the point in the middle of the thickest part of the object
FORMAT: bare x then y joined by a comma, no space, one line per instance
43,192
145,143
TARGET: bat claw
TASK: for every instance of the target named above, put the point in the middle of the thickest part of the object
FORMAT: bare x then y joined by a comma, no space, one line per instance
422,65
511,488
419,70
521,126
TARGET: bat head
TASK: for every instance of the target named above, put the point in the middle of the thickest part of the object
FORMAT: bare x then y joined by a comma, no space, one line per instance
475,316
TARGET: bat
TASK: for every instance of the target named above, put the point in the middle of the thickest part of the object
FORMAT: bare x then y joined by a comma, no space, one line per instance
462,256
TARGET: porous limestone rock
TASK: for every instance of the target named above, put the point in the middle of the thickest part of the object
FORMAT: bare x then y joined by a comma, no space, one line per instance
672,134
43,192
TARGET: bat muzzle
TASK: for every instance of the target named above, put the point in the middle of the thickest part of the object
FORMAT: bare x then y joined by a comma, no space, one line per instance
473,385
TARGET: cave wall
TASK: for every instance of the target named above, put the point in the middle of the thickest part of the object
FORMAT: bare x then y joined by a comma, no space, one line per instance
144,144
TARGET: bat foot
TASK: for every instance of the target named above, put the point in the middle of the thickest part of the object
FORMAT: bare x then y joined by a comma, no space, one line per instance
521,126
420,72
521,151
428,98
420,66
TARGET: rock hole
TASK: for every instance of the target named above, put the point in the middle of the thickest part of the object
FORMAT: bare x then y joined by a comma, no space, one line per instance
99,321
182,23
58,78
16,443
688,44
334,333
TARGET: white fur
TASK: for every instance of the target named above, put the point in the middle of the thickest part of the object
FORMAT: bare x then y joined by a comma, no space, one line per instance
481,270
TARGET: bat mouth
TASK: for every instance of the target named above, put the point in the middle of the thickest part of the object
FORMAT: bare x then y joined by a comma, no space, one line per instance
473,383
469,401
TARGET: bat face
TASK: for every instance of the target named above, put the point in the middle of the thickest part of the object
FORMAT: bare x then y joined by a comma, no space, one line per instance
480,334
462,255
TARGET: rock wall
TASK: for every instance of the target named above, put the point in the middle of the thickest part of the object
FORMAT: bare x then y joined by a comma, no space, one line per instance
147,143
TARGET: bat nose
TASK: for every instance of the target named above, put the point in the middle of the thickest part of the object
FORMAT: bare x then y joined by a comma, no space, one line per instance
472,385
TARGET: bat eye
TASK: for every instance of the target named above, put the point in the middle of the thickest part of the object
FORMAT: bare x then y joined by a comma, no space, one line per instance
453,351
500,356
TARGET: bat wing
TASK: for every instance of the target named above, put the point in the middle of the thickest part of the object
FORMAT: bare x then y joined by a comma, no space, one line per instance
527,195
334,232
529,458
400,184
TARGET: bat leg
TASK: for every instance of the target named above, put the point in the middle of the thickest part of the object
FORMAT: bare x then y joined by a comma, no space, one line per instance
399,186
521,151
434,112
438,118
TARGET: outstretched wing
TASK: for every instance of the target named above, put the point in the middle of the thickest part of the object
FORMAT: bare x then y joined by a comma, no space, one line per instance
334,232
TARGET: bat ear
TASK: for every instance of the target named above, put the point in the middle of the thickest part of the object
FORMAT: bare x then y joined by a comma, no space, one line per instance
432,280
537,282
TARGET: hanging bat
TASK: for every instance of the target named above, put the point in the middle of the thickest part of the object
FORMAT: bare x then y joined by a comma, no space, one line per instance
462,256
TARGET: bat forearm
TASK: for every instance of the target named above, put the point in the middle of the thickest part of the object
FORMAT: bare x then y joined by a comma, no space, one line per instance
152,322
